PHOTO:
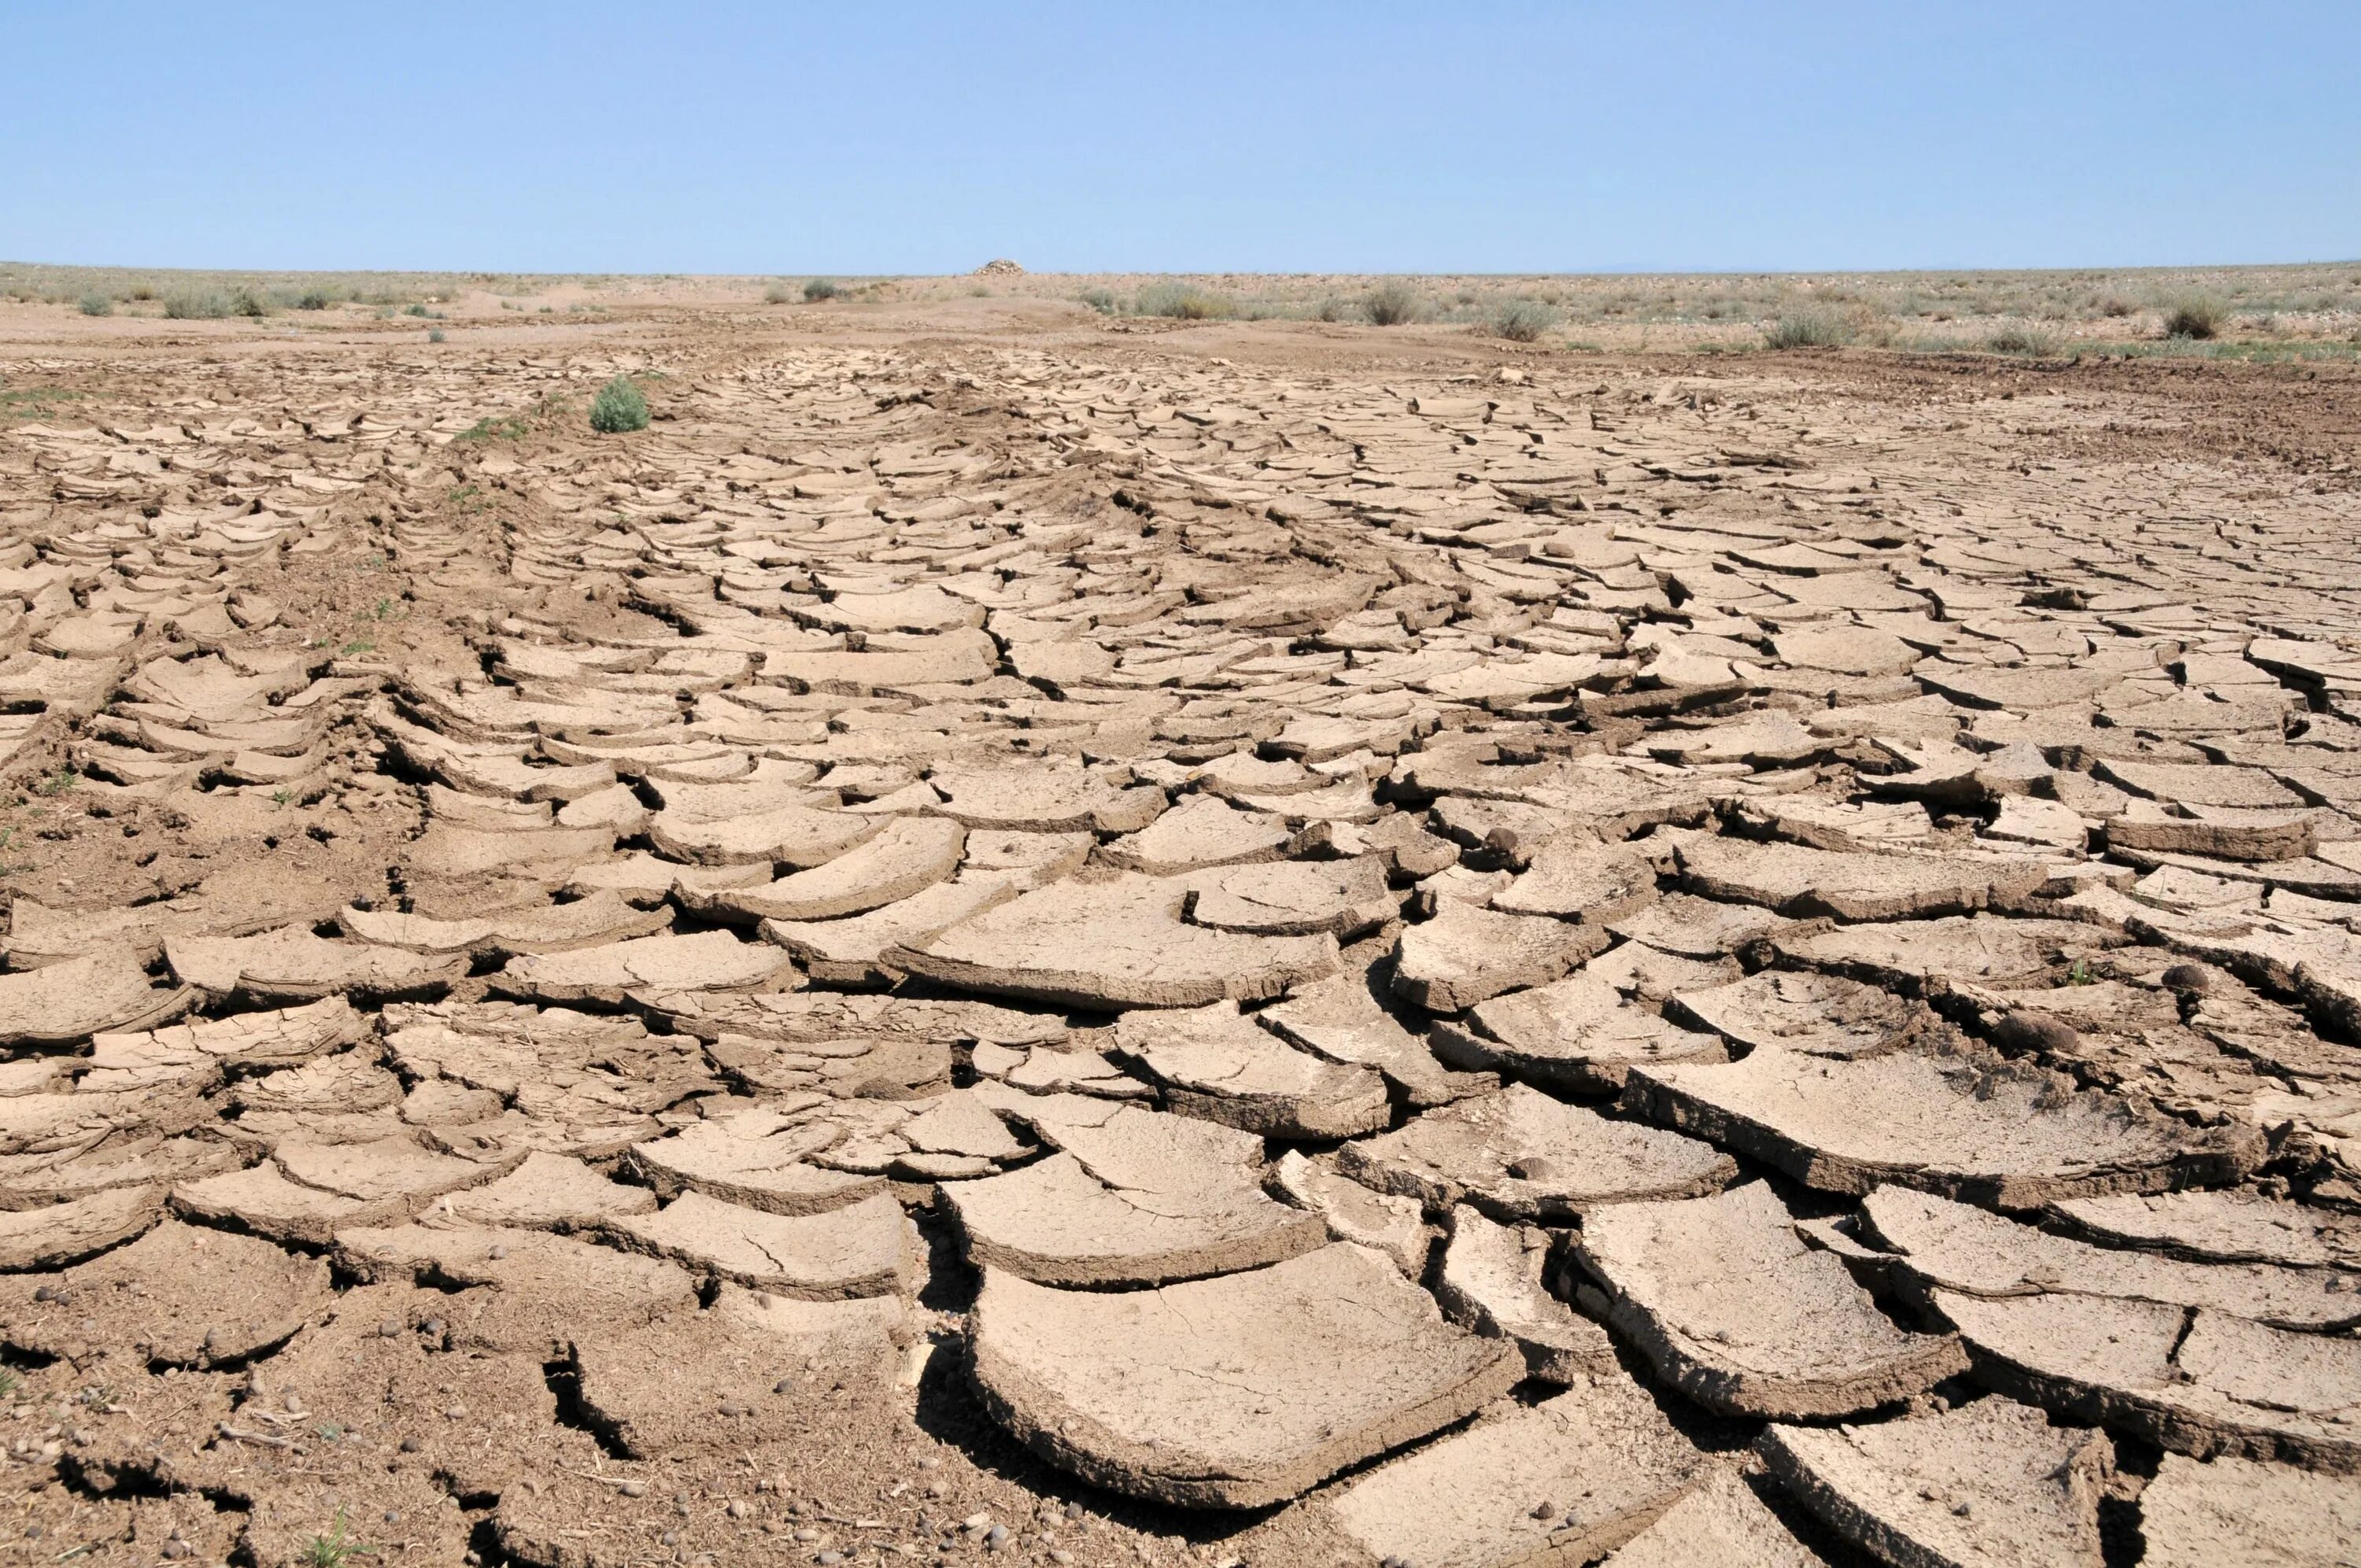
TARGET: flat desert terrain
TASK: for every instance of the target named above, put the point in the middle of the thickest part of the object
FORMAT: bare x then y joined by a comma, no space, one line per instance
1048,925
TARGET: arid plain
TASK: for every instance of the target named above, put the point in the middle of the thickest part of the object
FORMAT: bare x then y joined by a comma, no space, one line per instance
1040,931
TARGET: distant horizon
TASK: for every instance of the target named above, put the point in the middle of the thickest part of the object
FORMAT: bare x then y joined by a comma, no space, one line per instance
1579,139
841,272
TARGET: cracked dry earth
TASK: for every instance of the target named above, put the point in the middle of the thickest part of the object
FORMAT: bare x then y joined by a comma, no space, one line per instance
1060,949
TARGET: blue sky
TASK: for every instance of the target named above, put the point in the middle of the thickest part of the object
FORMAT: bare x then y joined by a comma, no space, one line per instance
858,137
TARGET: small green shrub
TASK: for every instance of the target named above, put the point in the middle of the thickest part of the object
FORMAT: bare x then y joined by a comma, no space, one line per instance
1523,321
246,302
434,335
1809,329
1098,299
1184,302
415,311
95,305
1391,303
1332,309
2022,337
196,304
776,294
618,407
314,300
2195,317
820,288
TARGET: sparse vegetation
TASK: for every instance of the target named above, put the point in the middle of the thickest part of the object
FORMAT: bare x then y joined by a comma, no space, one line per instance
514,427
776,294
820,288
334,1548
95,305
1184,302
1522,321
1100,300
1391,304
620,406
2022,337
2195,317
1814,328
196,304
434,335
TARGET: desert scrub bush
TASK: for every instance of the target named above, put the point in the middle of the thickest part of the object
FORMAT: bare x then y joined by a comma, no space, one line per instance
1391,303
314,300
196,304
2022,337
1098,299
95,305
434,335
1522,321
820,288
1808,329
1184,301
2194,317
1333,309
776,294
618,407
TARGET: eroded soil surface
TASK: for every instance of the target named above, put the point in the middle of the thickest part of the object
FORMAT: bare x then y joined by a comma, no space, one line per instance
1011,936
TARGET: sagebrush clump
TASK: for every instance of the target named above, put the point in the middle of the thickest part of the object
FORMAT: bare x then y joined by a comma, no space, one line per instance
196,304
1391,303
95,305
618,407
820,288
1522,321
2022,337
2195,317
1809,329
1184,302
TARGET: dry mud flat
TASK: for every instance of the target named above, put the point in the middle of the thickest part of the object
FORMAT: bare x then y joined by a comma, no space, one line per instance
1080,952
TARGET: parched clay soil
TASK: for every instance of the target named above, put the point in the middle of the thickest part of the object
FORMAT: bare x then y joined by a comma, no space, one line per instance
1012,936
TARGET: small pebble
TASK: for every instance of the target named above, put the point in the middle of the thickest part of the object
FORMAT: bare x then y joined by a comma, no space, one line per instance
731,1407
390,1328
496,1254
739,1509
410,1445
294,1403
2187,977
808,1533
996,1538
393,1516
432,1328
672,1537
456,1413
784,1385
829,1557
634,1488
176,1550
1544,1509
